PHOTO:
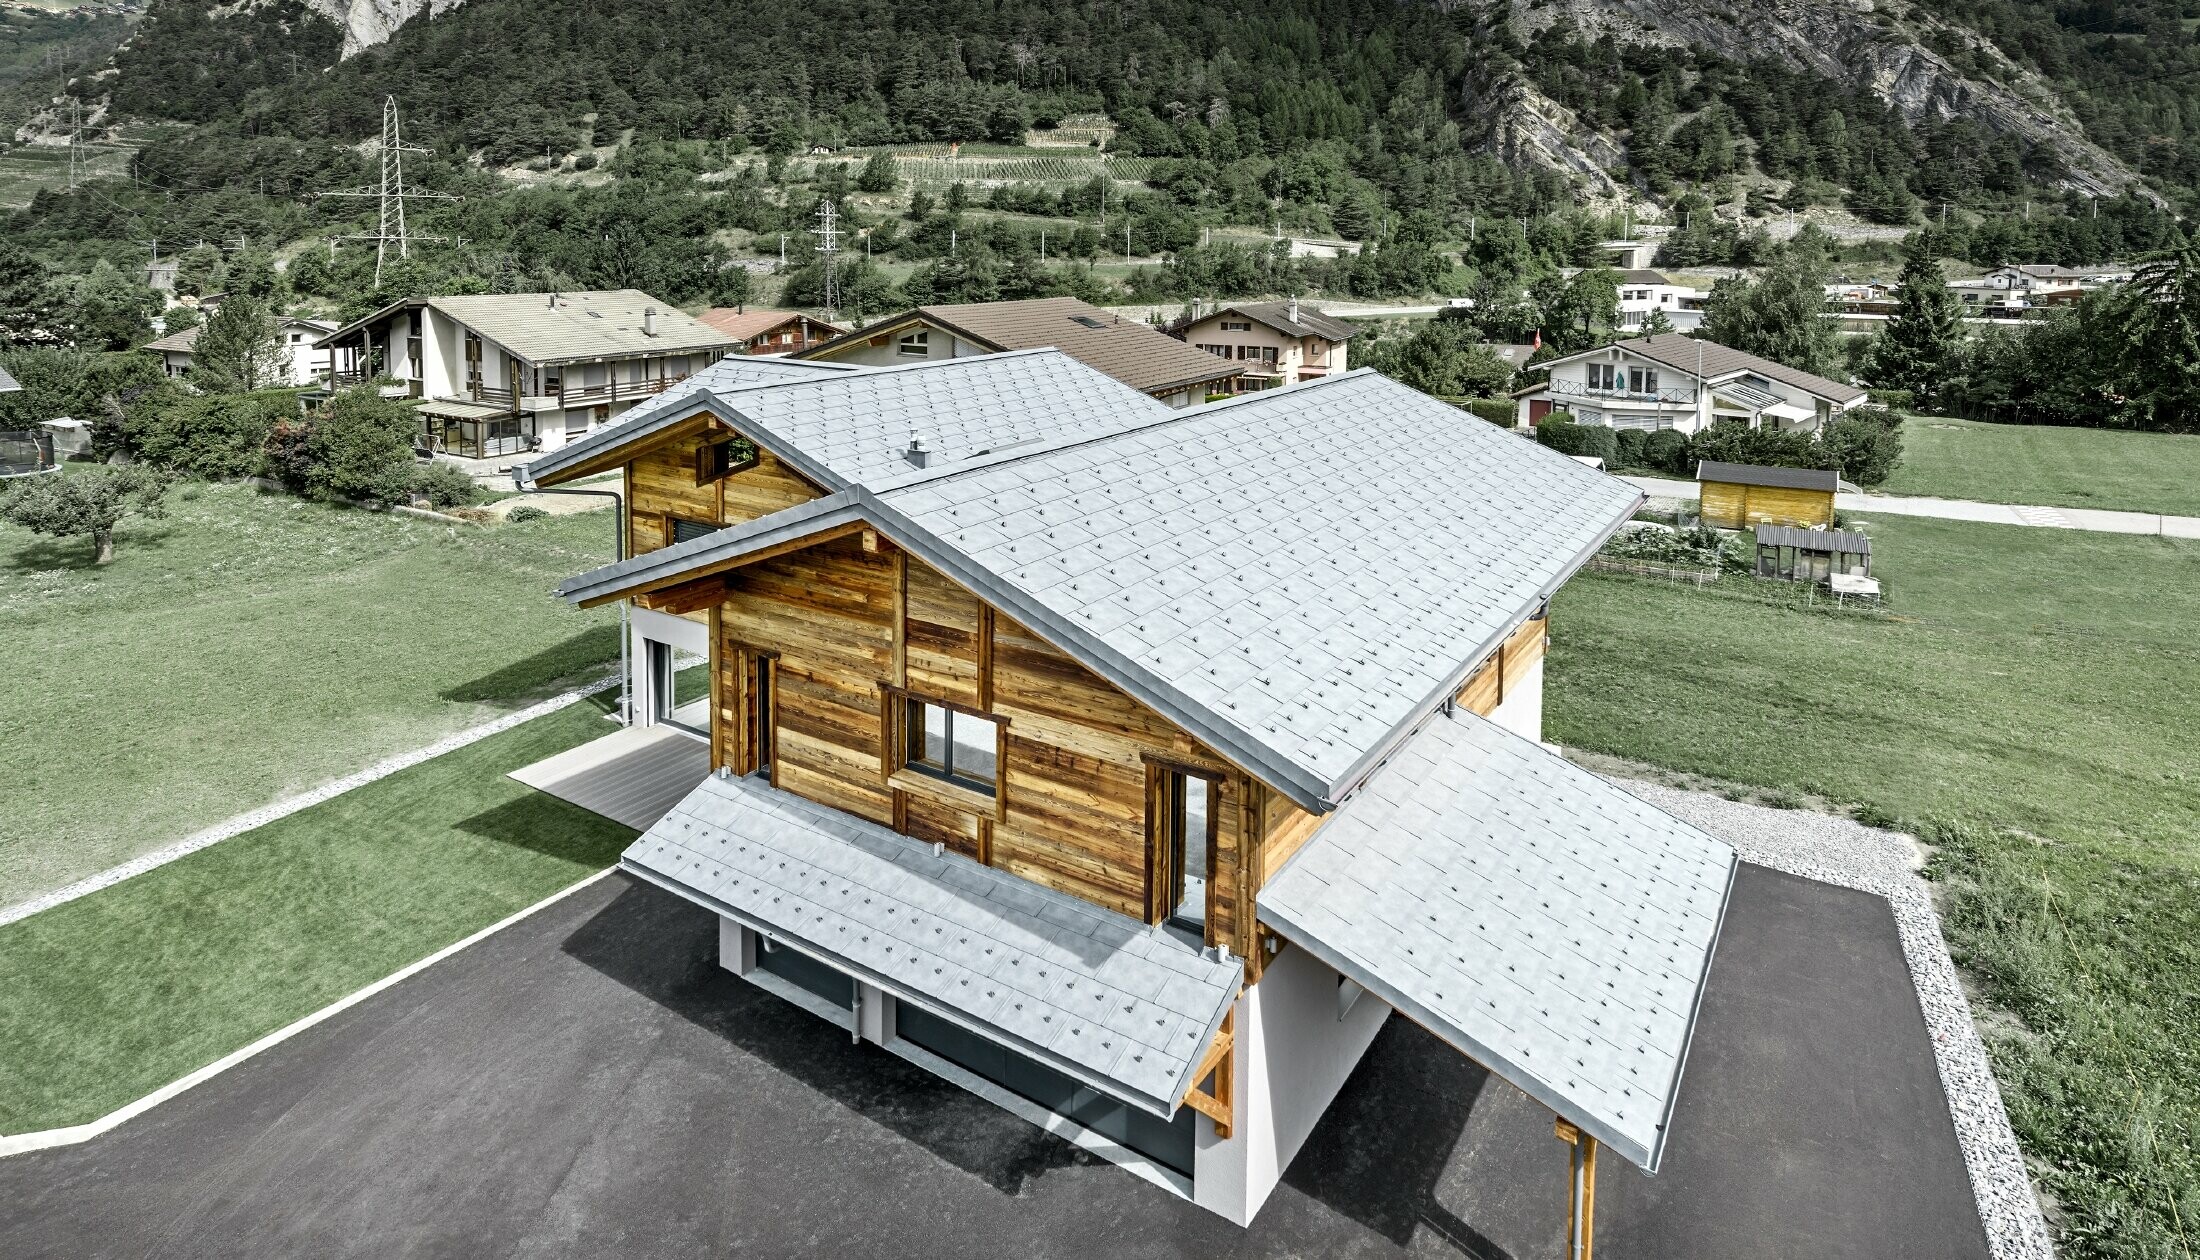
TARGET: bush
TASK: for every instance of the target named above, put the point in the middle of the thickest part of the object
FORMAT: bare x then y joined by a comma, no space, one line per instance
360,447
211,435
1667,451
1629,443
1864,443
1498,411
1568,438
1899,399
444,485
1734,442
524,513
585,162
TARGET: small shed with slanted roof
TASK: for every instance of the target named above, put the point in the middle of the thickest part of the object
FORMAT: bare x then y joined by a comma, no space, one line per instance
1811,555
1737,496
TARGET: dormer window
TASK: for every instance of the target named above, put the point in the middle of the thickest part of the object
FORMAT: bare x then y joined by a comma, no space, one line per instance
916,345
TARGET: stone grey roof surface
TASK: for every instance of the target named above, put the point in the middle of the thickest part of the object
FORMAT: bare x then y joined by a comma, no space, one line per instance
843,425
1125,1008
8,384
734,371
1546,923
1309,566
1767,475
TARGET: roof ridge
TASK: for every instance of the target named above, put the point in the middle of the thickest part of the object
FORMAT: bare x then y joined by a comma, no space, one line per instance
1009,455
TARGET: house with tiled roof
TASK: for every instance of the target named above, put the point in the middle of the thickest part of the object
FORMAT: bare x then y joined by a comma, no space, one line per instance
762,330
1129,765
1277,343
498,375
1674,381
1142,357
299,336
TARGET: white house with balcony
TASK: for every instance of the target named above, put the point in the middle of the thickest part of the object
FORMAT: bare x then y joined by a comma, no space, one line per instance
305,363
500,374
1671,381
1643,291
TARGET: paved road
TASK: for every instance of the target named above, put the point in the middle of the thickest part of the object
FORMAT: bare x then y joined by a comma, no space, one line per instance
588,1082
2094,519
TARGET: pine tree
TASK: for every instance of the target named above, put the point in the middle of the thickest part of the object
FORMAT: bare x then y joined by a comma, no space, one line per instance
879,174
112,310
240,350
1924,341
30,312
200,271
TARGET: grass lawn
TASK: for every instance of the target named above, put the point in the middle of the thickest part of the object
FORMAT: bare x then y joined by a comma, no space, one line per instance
115,994
2058,467
250,646
2030,707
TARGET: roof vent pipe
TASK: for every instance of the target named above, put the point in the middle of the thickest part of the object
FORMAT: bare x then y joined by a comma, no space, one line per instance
917,454
553,301
649,321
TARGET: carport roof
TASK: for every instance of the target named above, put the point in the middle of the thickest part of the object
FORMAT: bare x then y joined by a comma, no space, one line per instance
1124,1008
1544,922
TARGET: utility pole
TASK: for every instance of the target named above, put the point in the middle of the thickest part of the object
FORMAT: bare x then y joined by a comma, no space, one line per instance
828,245
76,126
390,193
1042,245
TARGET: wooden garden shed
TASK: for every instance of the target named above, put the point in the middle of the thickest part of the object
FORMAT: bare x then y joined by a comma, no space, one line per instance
1737,496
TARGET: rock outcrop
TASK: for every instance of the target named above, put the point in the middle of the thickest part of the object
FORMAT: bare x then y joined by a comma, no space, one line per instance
366,23
1878,45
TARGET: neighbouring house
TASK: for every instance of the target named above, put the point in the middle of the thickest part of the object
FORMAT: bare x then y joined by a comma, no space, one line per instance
1673,381
1737,496
1127,766
1642,291
1811,555
2027,277
500,374
765,331
1628,255
1142,357
1276,343
1983,299
300,336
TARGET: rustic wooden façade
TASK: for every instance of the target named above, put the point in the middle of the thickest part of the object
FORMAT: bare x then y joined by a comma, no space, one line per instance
819,651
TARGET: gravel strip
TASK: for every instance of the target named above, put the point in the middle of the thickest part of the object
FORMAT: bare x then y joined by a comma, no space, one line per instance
1847,853
292,804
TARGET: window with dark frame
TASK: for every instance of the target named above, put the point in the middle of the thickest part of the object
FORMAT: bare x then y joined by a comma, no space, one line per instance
684,530
760,713
960,748
715,461
1187,826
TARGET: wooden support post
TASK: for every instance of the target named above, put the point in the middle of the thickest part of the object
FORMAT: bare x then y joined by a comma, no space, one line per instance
1581,1192
1219,1060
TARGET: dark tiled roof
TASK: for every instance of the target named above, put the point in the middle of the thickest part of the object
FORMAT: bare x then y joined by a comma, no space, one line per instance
1680,351
1141,357
1277,315
1762,475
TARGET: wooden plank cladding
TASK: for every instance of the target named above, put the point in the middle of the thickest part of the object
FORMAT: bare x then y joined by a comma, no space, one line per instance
664,482
942,657
1501,673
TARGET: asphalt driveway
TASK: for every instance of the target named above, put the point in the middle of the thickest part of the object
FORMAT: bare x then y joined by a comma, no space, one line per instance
590,1083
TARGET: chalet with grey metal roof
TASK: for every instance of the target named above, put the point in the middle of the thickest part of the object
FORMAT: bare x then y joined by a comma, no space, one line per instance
1109,757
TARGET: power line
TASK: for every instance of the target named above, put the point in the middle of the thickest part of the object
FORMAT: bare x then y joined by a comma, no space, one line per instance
391,193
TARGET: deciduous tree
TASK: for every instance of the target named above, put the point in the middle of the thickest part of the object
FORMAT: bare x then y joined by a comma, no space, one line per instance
87,504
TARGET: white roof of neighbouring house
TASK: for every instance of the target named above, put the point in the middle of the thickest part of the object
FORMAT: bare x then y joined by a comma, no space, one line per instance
8,384
1293,609
547,328
839,424
1717,362
1546,923
1121,1007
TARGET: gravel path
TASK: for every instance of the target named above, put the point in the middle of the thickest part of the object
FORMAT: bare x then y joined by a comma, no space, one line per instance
1840,851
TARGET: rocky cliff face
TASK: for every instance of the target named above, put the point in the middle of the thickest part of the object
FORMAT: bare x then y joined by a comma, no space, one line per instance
369,22
1874,44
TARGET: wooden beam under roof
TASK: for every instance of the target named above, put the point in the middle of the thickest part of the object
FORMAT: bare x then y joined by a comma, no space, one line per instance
686,576
621,454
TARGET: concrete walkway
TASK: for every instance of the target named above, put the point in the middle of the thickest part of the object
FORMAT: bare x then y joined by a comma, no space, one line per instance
2095,519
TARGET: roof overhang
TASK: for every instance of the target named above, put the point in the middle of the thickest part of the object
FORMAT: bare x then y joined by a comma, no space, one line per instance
1541,921
1126,1009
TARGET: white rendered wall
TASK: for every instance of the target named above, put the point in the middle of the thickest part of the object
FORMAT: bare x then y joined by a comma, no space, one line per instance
645,625
1293,1054
1522,711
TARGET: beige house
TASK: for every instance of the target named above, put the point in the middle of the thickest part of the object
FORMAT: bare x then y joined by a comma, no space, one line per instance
1277,343
503,373
1673,381
299,336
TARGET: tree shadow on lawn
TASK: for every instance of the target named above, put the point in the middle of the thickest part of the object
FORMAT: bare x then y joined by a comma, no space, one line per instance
528,679
42,554
667,950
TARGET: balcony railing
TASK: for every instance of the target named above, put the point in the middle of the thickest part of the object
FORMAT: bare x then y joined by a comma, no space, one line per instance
1578,390
614,391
